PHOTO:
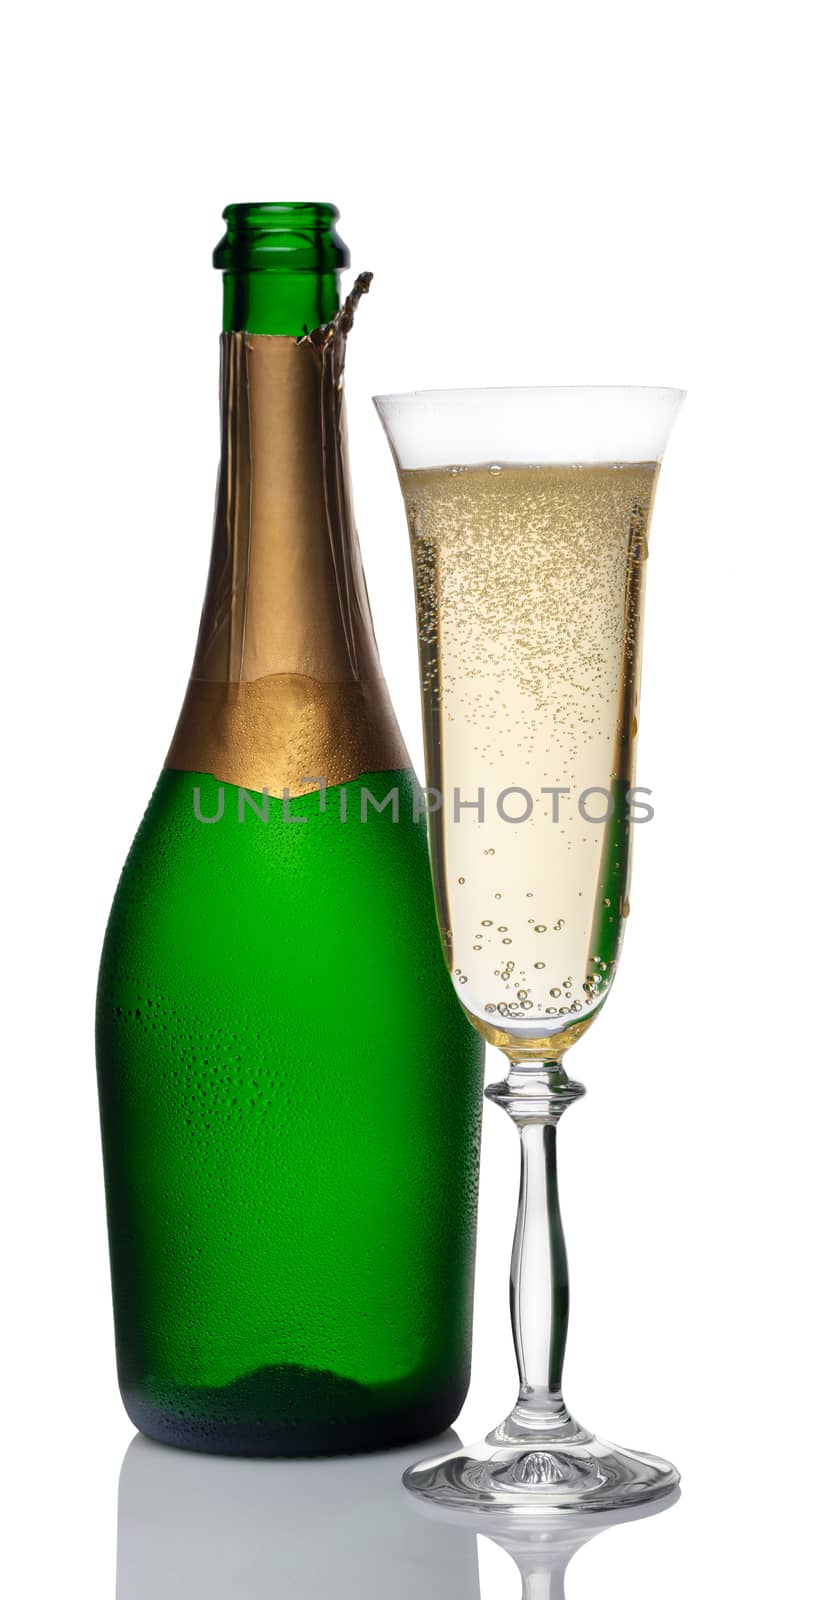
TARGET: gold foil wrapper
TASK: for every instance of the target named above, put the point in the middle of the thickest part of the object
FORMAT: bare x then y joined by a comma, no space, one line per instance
283,732
286,683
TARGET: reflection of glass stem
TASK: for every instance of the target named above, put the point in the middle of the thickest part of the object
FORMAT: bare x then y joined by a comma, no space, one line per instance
535,1098
542,1560
542,1578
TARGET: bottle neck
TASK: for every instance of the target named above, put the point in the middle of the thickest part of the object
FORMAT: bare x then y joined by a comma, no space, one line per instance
285,594
278,302
286,692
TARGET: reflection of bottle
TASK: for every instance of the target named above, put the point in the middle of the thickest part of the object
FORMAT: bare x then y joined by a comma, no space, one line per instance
290,1093
199,1528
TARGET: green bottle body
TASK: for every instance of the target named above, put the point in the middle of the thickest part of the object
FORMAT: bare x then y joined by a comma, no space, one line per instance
290,1093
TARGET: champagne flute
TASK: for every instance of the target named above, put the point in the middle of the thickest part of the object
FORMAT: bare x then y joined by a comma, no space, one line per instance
528,512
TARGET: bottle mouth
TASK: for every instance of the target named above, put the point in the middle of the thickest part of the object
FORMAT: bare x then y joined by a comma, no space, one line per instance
281,236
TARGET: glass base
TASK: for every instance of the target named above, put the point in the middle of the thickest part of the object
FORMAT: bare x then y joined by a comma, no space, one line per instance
562,1469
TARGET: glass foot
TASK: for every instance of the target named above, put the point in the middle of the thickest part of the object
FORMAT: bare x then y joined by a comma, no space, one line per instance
565,1469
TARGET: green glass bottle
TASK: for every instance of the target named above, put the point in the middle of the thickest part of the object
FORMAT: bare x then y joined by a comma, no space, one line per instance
290,1093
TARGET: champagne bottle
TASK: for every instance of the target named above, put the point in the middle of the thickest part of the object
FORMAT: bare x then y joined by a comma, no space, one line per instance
290,1094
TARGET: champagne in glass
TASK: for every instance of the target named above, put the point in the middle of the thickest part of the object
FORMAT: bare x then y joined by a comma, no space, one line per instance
528,511
529,583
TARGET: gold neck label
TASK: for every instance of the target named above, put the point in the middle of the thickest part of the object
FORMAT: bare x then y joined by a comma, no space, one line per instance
286,682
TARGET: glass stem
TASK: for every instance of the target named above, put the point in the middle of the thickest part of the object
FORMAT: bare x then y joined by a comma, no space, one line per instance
535,1099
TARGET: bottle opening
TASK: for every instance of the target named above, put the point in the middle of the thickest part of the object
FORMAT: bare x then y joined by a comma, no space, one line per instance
281,236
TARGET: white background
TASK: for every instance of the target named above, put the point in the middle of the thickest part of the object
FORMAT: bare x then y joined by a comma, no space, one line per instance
602,192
